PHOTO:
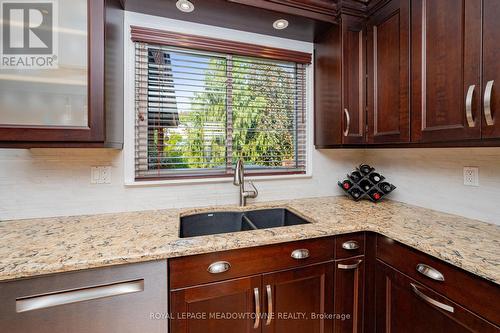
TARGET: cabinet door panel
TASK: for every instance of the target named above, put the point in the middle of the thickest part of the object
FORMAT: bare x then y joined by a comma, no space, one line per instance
304,292
388,71
195,309
446,51
353,81
491,68
65,101
349,281
402,305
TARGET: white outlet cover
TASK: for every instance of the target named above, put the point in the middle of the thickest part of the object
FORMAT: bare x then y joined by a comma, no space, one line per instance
95,175
471,176
105,175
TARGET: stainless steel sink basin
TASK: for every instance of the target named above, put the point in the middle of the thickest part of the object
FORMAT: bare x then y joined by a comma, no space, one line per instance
224,222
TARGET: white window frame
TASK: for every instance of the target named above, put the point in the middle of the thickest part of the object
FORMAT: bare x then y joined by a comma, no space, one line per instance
155,22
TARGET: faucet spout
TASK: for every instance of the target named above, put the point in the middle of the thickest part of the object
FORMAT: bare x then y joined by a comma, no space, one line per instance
239,180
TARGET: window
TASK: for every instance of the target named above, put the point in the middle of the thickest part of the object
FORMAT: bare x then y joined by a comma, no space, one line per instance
198,112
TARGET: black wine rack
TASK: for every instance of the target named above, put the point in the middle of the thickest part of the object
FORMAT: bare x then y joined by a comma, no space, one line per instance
366,183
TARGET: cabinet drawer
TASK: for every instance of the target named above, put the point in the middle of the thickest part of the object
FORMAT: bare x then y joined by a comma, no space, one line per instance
408,306
473,292
194,270
110,299
350,245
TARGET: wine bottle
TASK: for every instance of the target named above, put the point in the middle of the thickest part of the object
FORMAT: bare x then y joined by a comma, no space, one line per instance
355,193
386,187
356,176
346,185
365,185
375,177
376,195
365,169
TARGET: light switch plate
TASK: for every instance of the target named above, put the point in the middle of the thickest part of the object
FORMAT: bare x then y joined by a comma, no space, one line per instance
471,176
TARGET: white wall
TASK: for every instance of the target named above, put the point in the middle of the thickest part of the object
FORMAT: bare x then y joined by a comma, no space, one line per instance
56,182
433,178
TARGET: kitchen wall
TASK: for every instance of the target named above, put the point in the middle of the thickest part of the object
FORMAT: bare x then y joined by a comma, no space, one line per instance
53,182
433,178
56,182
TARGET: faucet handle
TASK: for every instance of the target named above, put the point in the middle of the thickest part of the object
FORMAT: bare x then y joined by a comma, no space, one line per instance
255,192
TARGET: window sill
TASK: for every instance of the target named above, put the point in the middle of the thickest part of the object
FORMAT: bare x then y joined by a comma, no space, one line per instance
213,180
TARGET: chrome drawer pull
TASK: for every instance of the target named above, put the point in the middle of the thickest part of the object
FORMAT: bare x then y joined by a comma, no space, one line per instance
269,290
350,245
468,106
300,254
431,300
487,103
31,303
348,122
219,267
257,308
430,272
348,267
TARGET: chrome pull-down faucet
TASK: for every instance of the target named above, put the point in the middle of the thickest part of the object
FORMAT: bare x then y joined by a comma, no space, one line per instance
239,180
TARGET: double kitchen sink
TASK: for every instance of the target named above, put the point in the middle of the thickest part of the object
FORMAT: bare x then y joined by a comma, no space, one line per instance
224,222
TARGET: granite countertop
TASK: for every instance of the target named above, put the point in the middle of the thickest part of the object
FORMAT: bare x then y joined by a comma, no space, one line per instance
51,245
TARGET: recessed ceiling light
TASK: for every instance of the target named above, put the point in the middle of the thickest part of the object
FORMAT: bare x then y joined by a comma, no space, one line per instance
185,6
280,24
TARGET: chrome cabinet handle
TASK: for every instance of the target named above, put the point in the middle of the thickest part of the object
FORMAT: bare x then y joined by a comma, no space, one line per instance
430,272
352,266
300,254
348,124
31,303
219,267
257,307
487,103
432,301
269,290
350,245
468,106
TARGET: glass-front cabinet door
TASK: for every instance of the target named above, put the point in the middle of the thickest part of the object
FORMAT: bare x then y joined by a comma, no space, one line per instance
51,71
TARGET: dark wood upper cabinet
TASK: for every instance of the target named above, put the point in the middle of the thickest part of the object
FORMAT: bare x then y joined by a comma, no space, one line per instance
306,290
349,293
353,80
328,89
446,70
79,102
491,70
404,305
388,63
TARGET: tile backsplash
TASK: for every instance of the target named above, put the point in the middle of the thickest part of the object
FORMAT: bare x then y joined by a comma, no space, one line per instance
55,182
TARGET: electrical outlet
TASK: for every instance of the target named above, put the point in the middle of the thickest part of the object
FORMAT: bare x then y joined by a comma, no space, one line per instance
100,175
105,175
471,176
95,175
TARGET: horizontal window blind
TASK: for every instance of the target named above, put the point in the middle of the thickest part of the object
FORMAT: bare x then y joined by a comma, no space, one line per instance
198,112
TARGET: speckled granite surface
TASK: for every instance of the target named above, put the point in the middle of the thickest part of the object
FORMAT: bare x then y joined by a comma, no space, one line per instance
43,246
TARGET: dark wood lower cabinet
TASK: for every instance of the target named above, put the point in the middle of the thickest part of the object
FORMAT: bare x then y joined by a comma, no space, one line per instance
209,308
299,300
404,305
291,301
348,295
